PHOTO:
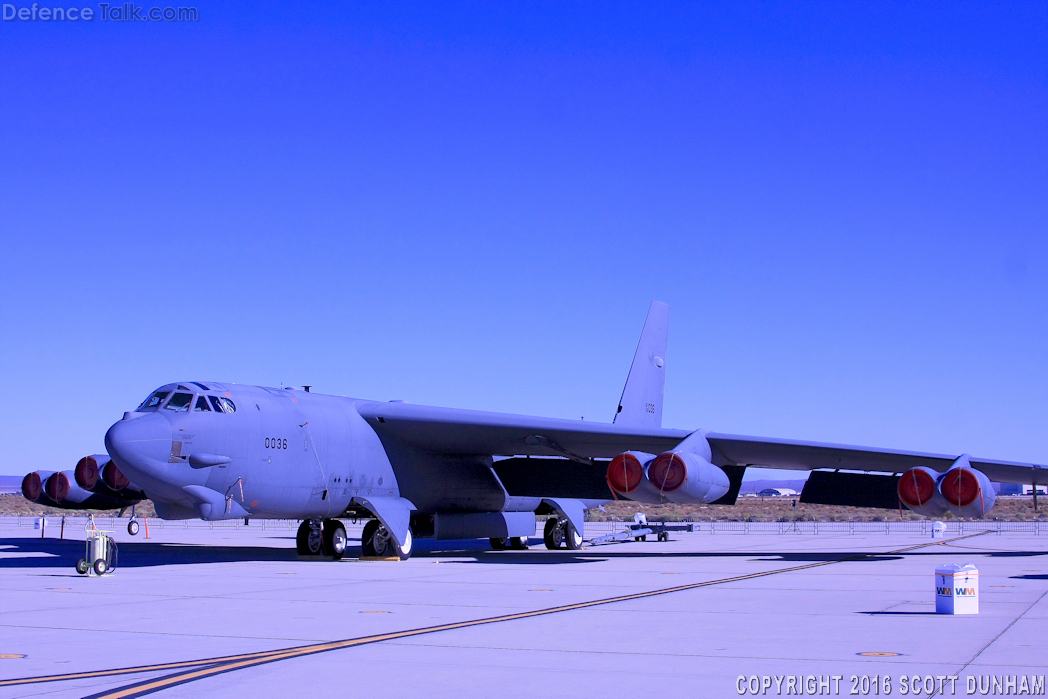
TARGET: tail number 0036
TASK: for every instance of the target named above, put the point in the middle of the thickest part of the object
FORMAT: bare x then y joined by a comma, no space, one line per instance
274,443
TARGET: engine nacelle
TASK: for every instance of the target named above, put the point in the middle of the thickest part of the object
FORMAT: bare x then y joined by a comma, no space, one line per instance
919,491
57,489
88,471
626,477
687,478
967,492
33,485
57,486
114,478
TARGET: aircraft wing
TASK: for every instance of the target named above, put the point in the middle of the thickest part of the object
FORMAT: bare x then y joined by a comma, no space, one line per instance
453,431
789,454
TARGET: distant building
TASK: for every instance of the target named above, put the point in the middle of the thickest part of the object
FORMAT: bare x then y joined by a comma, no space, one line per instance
778,492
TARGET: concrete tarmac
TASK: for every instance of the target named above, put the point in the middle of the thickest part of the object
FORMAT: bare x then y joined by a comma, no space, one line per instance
193,595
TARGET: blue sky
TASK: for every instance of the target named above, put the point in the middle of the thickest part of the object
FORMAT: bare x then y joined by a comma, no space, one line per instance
472,204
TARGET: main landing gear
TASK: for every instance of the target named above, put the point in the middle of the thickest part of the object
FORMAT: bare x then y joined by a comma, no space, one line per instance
560,533
517,543
316,539
377,541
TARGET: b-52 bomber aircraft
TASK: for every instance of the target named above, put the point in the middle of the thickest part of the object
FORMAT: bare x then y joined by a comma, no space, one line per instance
221,451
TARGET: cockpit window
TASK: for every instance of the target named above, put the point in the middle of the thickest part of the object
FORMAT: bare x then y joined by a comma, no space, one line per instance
153,402
201,406
228,405
215,404
180,402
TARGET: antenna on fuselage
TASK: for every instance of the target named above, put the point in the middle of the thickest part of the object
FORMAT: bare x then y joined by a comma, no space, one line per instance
306,388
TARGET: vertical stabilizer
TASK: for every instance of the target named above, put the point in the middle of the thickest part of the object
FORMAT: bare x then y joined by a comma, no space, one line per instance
641,402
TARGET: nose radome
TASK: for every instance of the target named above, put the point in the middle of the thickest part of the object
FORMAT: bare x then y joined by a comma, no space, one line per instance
140,443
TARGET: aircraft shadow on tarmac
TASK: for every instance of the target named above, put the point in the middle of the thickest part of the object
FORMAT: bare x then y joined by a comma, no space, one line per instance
26,554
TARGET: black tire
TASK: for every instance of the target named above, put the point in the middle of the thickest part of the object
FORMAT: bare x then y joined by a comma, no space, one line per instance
663,536
499,543
308,542
82,567
547,533
367,538
572,538
100,566
644,538
335,539
553,534
519,543
132,527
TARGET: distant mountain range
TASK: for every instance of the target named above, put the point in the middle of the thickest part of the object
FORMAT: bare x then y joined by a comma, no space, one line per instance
11,484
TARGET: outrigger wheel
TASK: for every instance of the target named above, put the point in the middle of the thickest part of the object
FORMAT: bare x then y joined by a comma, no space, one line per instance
132,527
309,541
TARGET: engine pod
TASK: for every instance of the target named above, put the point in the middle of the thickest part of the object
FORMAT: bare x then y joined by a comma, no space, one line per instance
919,490
686,478
967,492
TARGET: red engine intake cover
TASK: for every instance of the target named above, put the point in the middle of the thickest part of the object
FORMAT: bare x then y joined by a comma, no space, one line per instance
31,486
113,477
667,472
86,473
960,487
625,473
916,487
57,486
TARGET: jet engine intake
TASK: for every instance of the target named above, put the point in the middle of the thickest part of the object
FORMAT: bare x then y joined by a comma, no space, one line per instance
114,478
57,486
33,485
967,492
919,490
687,478
88,471
626,477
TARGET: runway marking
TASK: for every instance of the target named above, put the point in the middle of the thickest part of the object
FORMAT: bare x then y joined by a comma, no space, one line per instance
209,667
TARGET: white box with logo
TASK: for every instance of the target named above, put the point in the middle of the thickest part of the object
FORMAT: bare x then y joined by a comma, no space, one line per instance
957,589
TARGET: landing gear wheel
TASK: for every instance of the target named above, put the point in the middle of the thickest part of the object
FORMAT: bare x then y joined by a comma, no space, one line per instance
367,539
663,536
132,527
309,541
553,533
499,543
378,541
519,543
404,552
335,539
82,567
572,539
100,566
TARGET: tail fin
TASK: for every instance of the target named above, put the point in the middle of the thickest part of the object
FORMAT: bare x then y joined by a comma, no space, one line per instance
641,402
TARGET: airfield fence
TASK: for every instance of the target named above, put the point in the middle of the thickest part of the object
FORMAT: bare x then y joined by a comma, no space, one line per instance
923,527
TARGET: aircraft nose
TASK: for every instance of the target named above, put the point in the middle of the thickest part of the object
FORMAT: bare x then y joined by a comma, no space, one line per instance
140,442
